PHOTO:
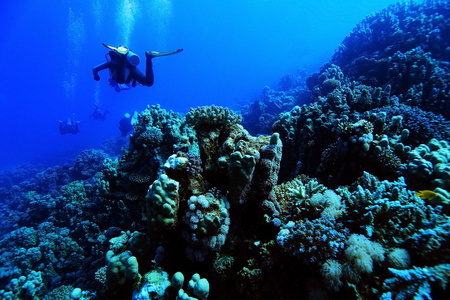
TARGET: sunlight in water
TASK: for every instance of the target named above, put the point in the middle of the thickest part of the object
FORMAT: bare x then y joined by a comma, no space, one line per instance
69,85
161,14
97,94
76,36
127,15
98,15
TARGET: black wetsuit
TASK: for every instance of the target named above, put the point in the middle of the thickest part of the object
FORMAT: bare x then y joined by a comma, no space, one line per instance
66,127
98,115
123,72
125,126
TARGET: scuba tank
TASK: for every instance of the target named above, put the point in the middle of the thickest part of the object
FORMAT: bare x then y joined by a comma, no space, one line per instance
132,58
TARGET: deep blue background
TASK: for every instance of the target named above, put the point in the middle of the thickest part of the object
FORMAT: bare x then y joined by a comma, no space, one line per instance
232,49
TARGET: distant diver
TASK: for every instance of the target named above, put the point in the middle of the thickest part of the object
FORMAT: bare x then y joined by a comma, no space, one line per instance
68,126
97,114
126,123
122,64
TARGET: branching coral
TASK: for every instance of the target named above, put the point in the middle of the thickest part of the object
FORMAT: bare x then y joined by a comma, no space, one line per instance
313,241
415,283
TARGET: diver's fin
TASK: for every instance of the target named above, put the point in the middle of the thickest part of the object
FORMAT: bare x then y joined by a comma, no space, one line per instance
109,47
120,49
155,54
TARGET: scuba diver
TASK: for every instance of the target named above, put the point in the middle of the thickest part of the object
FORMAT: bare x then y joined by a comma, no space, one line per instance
69,126
97,114
126,123
122,64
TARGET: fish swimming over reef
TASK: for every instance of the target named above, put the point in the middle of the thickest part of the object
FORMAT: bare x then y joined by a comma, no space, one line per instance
426,194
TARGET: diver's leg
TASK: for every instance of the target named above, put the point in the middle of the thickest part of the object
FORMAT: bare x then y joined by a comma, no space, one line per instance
148,78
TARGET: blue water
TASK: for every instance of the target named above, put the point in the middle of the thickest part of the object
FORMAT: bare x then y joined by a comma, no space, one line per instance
232,49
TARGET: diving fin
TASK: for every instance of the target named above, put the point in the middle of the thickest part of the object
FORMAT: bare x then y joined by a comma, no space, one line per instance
109,47
155,54
120,49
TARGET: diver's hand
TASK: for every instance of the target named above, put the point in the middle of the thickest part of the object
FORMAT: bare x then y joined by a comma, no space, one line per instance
96,77
179,50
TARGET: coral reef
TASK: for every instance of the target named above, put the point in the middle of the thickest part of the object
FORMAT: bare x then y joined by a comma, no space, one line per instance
162,204
346,196
208,220
88,163
259,116
212,116
404,46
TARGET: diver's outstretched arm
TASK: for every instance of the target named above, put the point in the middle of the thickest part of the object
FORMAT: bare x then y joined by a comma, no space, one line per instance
98,68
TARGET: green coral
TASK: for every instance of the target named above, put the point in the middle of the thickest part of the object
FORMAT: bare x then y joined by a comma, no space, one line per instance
74,192
154,284
121,269
240,169
162,203
429,168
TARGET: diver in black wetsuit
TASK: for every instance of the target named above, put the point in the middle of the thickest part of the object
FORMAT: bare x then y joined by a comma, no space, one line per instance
69,126
98,115
123,67
126,124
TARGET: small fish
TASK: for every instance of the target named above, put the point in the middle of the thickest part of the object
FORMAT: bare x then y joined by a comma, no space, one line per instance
426,194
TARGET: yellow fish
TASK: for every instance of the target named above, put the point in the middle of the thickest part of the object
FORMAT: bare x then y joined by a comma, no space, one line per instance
426,194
